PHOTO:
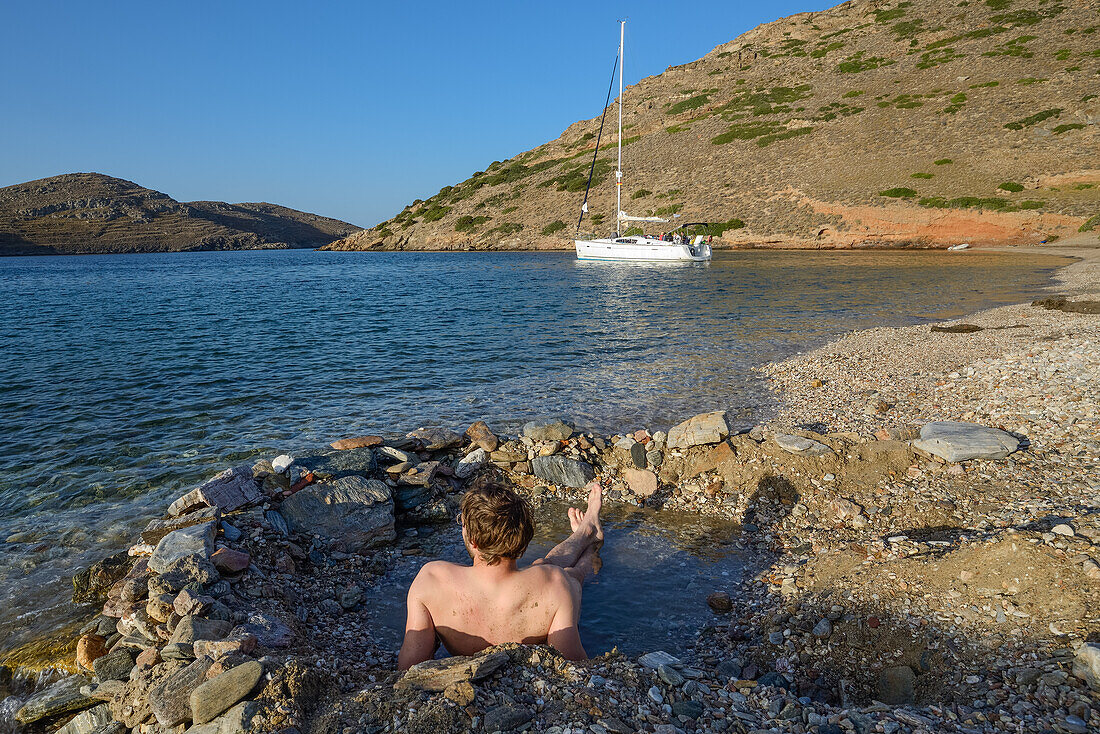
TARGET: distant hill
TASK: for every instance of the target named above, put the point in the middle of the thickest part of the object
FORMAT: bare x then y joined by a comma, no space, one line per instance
912,123
87,213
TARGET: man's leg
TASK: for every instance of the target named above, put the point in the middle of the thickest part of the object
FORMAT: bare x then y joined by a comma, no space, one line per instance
587,533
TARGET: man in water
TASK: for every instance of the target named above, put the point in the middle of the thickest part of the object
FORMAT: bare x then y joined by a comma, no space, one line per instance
470,608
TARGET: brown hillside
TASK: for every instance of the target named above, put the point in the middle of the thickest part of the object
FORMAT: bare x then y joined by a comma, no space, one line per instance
84,213
872,123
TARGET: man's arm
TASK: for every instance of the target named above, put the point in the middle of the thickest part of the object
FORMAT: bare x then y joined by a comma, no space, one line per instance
564,636
420,641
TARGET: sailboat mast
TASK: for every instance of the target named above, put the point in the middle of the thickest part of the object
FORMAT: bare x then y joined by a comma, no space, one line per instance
619,170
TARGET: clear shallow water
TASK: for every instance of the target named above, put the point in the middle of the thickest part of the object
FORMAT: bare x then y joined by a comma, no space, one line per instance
658,568
125,379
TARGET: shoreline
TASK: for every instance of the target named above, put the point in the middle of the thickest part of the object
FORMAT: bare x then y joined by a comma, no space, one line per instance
736,476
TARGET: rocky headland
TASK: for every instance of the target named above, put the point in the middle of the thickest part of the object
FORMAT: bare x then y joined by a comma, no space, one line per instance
89,213
921,520
883,123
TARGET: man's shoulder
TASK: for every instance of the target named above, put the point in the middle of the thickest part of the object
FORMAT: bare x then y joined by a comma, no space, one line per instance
440,568
548,574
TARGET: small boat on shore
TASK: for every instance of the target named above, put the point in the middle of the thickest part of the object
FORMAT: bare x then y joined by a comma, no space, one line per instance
956,248
690,245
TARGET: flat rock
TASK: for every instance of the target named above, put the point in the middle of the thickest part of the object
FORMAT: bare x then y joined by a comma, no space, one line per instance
704,428
62,697
197,540
561,470
480,434
642,482
218,694
269,631
437,675
337,464
230,561
157,529
88,722
398,456
657,658
88,648
802,446
171,699
357,511
357,442
547,429
192,628
954,441
420,475
230,490
506,718
114,665
436,439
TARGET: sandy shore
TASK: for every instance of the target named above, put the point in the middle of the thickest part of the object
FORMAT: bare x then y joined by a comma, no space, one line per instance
888,590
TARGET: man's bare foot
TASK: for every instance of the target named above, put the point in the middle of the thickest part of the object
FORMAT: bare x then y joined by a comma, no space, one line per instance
595,504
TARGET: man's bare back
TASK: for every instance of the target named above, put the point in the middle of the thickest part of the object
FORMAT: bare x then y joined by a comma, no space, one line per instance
469,608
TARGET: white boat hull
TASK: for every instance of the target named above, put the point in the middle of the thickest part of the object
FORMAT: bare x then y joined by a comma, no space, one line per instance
641,248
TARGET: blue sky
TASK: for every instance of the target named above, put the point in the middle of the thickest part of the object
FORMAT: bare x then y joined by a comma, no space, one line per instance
350,110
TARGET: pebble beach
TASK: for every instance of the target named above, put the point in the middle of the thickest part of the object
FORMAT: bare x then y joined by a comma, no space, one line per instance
905,573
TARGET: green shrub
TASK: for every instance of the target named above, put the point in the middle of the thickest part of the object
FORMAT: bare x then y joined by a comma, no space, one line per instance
1034,119
508,209
717,228
1090,224
385,232
673,129
767,140
1011,186
626,141
1029,204
1066,128
998,4
506,229
898,192
1028,81
640,193
435,213
857,63
984,84
943,161
691,103
821,52
555,226
665,211
466,223
922,175
670,193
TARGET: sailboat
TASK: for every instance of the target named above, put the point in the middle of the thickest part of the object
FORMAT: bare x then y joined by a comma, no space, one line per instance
686,243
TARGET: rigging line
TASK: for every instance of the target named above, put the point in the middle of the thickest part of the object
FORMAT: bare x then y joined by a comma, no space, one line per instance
599,136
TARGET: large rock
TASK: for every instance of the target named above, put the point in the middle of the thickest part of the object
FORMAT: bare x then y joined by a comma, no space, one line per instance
558,469
506,718
93,583
232,489
480,434
954,441
192,628
437,675
197,540
358,442
88,722
357,511
702,429
468,465
62,697
115,665
171,699
1086,664
269,631
547,429
157,529
802,446
642,482
436,439
220,693
359,462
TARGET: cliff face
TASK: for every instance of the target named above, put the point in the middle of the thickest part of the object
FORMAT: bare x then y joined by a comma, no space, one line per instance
86,213
912,123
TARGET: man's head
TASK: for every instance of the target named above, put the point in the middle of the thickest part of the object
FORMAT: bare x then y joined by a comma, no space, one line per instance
496,523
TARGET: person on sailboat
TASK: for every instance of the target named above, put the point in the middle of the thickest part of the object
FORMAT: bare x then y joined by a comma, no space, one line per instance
470,608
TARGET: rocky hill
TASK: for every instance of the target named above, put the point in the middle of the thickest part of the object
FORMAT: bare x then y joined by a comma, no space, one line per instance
912,123
86,213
